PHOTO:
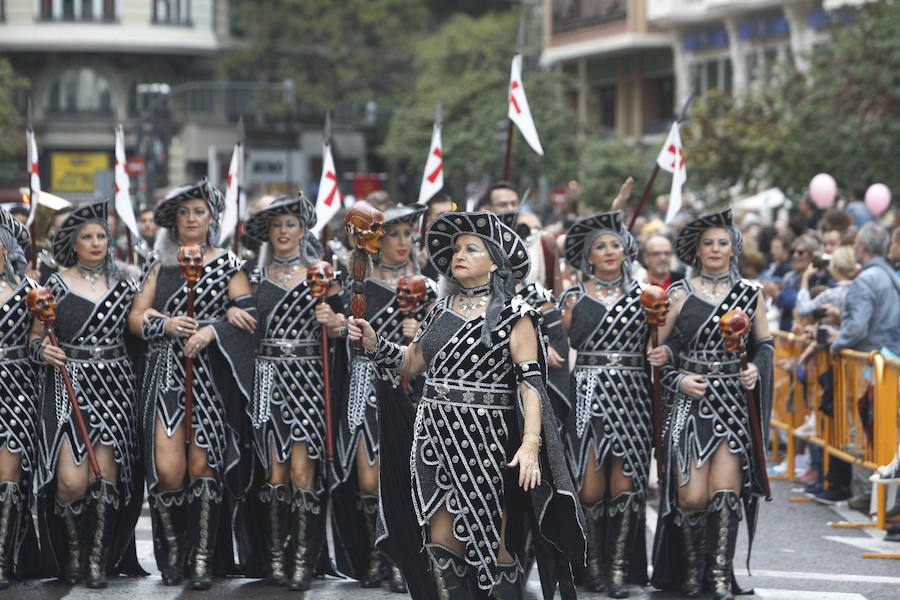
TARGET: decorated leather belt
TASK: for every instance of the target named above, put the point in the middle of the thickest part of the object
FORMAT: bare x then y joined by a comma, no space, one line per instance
272,349
89,353
13,353
618,360
709,367
475,396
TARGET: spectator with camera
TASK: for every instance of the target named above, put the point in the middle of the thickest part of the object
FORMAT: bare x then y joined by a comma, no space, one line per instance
829,304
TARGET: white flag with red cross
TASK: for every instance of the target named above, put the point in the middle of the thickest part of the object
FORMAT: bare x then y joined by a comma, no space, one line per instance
433,177
34,178
519,112
671,159
232,188
329,200
123,205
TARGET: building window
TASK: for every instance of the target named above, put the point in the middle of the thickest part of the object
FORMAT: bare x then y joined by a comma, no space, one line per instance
608,106
172,12
201,102
569,15
712,74
79,91
77,10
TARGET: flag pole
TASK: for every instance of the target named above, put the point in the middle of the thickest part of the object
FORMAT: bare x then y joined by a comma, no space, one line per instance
678,119
32,198
509,138
237,226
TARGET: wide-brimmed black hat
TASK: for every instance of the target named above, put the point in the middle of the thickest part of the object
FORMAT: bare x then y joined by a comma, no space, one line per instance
202,190
403,213
509,218
585,230
257,226
689,237
444,230
18,231
63,242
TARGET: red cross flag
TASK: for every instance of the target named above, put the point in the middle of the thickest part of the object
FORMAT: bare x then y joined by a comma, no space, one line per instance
124,208
232,189
433,177
519,113
34,179
329,199
671,159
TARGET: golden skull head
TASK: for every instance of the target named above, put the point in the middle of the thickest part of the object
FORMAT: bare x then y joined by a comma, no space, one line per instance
655,303
190,259
367,224
42,304
411,290
319,278
734,325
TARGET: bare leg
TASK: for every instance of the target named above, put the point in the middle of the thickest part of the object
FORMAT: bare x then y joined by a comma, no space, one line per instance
71,480
594,487
618,481
10,466
171,464
440,529
694,495
725,472
367,475
280,472
303,469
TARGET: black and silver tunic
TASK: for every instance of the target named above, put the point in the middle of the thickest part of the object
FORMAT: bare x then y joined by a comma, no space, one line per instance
220,372
609,384
288,394
18,400
360,418
92,334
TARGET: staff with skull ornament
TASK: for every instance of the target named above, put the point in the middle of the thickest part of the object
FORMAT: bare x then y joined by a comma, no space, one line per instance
190,259
411,290
366,224
42,304
320,276
655,303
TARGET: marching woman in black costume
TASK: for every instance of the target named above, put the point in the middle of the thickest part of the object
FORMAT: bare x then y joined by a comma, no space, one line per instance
90,521
18,406
220,342
357,438
484,408
288,408
710,465
609,435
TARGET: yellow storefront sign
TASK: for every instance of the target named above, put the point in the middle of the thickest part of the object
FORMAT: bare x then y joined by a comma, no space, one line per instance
74,171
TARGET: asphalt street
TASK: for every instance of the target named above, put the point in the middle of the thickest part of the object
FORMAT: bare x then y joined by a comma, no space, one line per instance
797,554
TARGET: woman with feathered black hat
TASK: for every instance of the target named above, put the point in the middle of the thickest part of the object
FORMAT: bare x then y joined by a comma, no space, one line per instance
87,523
484,407
219,340
710,466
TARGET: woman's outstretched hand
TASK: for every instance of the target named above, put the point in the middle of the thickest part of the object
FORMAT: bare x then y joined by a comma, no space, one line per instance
526,458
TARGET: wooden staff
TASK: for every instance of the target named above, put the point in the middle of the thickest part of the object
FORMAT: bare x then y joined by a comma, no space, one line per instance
320,277
366,224
734,326
411,290
42,304
190,259
655,303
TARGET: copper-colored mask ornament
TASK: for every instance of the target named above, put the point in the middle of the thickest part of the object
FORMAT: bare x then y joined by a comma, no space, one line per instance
319,278
367,224
411,290
734,325
41,303
655,303
190,259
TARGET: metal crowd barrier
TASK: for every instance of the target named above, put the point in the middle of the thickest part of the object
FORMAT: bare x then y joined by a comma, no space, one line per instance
863,427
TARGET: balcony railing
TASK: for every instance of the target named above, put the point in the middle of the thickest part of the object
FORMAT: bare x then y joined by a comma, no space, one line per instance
580,14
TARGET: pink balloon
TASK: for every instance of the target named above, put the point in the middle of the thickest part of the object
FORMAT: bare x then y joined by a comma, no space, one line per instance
878,198
822,190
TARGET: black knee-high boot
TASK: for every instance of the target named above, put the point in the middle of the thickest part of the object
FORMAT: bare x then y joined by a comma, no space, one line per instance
11,500
693,531
622,515
451,573
71,514
725,513
204,502
277,500
372,576
168,514
103,502
306,537
509,584
595,519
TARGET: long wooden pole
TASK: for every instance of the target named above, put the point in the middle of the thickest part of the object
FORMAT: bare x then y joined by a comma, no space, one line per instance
644,195
189,375
509,139
326,391
657,408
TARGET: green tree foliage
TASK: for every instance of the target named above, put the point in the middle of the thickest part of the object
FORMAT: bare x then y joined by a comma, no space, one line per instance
841,116
465,66
12,142
608,161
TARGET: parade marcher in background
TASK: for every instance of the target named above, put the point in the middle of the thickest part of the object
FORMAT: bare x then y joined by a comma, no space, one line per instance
437,205
46,264
656,256
288,408
484,408
609,453
710,466
219,341
357,438
88,523
18,407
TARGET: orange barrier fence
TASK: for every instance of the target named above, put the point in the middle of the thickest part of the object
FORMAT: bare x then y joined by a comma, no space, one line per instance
861,424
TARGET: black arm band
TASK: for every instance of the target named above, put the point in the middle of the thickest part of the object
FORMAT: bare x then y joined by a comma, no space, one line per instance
388,354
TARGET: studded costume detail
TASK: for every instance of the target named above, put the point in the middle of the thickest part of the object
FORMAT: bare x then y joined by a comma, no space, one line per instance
610,387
